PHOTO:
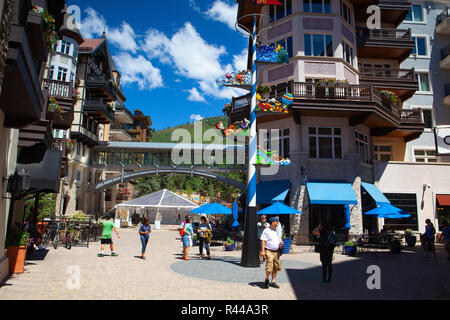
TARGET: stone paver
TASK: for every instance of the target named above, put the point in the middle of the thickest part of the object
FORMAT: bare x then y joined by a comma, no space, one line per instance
165,276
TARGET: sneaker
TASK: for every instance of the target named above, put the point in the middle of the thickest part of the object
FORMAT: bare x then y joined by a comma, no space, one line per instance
275,285
143,258
114,254
100,255
186,258
266,284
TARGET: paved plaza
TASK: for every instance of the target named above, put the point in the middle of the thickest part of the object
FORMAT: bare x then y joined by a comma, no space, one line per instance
165,276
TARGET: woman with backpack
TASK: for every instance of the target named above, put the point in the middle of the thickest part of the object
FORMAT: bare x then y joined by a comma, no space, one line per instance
428,236
327,241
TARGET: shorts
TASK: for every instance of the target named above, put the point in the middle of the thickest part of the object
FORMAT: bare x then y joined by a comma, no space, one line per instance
273,262
187,242
106,241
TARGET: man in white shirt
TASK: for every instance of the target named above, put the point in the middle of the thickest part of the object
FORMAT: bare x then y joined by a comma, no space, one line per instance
270,245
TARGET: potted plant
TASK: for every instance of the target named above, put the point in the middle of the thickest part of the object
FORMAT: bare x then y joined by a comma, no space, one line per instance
227,108
17,244
410,238
391,96
229,245
350,248
395,246
54,107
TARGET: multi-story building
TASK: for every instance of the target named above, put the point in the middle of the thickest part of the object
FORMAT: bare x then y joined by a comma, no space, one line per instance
29,161
430,28
347,130
140,129
98,95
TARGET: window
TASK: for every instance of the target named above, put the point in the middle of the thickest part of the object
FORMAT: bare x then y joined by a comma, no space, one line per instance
424,83
424,155
407,202
347,52
420,46
415,14
346,13
325,143
65,47
62,74
383,152
52,71
78,147
277,12
283,136
317,6
78,176
427,117
362,146
318,45
286,44
83,150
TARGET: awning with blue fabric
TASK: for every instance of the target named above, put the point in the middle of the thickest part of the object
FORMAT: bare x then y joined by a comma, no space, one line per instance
268,192
331,193
375,193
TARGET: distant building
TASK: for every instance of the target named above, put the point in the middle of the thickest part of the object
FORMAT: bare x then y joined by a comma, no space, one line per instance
140,129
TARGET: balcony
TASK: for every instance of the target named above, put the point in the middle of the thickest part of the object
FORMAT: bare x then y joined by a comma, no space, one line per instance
443,22
445,58
402,81
362,104
101,85
446,99
392,11
388,43
80,133
100,110
63,92
118,133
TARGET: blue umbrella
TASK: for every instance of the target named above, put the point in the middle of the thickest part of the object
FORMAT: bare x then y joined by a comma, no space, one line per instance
216,208
348,226
388,211
235,214
201,209
279,208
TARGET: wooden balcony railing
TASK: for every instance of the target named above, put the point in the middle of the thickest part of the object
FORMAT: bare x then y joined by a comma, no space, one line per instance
58,89
443,15
410,116
79,129
388,74
99,105
385,34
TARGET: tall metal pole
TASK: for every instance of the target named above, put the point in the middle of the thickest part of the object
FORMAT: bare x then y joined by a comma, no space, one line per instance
250,254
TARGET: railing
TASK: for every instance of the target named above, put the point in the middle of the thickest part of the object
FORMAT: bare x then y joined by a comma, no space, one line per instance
58,89
410,116
77,128
117,126
443,15
93,105
385,34
445,52
388,74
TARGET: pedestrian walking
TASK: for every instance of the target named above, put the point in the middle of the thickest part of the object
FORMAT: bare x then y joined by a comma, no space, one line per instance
204,236
429,238
108,227
144,234
187,237
270,250
446,237
327,242
181,229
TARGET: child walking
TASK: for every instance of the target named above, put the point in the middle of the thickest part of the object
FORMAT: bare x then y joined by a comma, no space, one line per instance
108,227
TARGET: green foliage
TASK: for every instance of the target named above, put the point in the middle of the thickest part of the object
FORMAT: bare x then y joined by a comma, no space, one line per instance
408,232
229,241
18,237
79,216
165,135
46,209
349,244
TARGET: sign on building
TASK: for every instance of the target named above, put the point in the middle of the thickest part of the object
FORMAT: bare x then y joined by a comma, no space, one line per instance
442,139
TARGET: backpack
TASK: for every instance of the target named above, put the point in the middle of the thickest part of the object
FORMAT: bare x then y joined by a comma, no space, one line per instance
181,232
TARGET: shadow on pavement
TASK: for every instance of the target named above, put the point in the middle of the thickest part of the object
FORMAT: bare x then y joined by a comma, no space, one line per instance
37,255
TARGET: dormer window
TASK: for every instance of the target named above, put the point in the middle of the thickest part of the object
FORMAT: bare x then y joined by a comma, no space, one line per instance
65,47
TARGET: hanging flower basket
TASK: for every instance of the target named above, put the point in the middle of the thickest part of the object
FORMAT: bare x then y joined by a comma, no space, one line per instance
391,96
227,108
69,146
264,90
54,107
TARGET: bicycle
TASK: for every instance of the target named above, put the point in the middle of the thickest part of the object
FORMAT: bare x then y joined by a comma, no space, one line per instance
67,237
56,236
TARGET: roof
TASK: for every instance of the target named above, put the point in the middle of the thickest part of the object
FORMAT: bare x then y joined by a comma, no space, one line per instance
160,199
90,44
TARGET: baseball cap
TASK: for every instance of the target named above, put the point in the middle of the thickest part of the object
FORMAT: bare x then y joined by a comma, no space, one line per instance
273,219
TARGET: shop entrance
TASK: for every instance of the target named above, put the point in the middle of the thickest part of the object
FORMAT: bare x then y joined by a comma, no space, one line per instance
333,215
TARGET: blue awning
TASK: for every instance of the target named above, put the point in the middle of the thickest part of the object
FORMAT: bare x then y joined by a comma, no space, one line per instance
331,193
268,192
375,193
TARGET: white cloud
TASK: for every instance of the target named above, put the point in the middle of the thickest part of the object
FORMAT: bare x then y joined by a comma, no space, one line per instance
138,70
196,117
123,37
223,12
240,60
92,25
195,95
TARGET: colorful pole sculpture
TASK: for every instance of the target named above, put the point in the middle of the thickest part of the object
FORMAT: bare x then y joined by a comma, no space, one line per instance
250,254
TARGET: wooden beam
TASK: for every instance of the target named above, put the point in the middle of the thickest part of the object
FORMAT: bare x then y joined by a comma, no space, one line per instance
354,121
376,132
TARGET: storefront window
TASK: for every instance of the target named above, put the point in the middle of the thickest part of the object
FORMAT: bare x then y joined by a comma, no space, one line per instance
408,203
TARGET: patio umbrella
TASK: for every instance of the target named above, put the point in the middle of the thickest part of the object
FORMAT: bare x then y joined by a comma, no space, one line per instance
279,208
201,209
387,211
394,215
235,214
216,208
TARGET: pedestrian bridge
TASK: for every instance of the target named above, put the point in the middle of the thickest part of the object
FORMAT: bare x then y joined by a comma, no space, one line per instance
132,160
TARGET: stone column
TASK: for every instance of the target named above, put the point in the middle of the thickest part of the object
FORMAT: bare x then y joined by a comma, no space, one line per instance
354,175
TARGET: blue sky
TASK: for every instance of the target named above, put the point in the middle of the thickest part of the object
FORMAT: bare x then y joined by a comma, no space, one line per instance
169,53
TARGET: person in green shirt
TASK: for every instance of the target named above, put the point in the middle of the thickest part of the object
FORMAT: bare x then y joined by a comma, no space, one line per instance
108,227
